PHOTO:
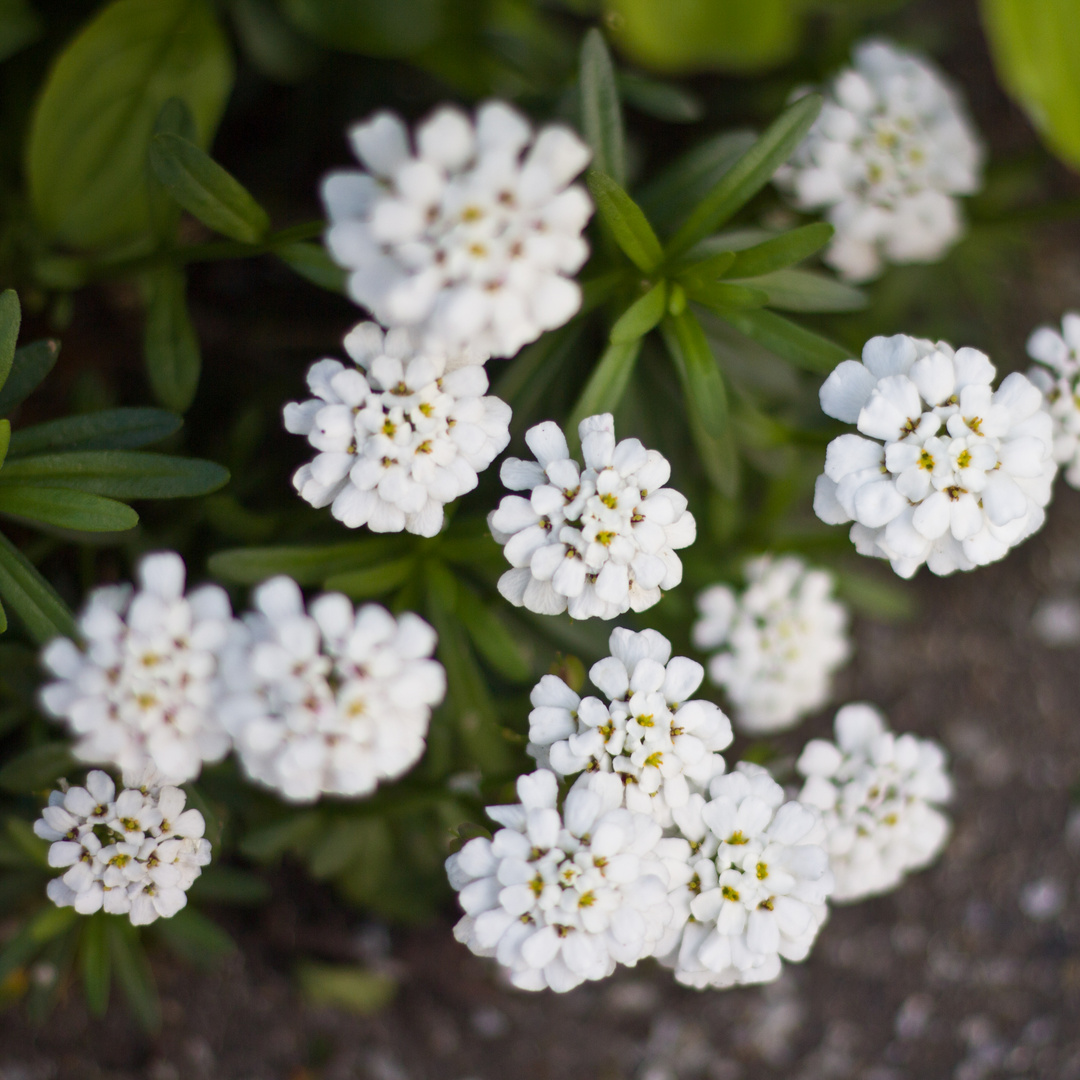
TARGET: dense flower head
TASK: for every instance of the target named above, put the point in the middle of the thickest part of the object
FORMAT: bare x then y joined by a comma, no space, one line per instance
470,233
595,541
946,470
878,795
754,883
143,688
889,152
330,700
135,853
654,743
399,435
1057,375
779,641
560,895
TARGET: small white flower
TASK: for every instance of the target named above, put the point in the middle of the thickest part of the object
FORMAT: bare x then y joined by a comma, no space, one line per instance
780,640
399,436
594,542
1057,375
648,741
153,848
471,236
755,882
878,795
952,472
889,152
561,897
330,702
144,688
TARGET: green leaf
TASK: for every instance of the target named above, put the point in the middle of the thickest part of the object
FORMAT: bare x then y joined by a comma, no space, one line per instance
95,963
722,295
31,597
5,440
784,250
170,345
313,263
86,152
627,223
229,885
748,175
271,43
295,833
48,924
641,316
117,474
306,565
3,626
1035,44
133,974
37,768
353,988
10,318
371,27
206,190
174,116
110,429
601,113
706,396
660,99
67,509
34,849
372,580
31,364
607,384
809,291
195,938
20,25
788,340
877,597
494,641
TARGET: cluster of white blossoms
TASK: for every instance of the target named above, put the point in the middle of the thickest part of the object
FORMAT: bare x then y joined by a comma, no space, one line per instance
779,641
398,436
878,794
952,473
332,701
885,160
652,741
134,854
470,235
144,690
1057,375
595,541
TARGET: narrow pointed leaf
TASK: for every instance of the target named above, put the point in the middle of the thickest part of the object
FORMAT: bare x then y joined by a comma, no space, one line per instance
110,429
67,509
10,318
491,637
96,964
606,385
206,190
721,295
308,565
31,597
784,250
3,628
133,974
711,268
601,112
313,263
664,100
170,346
373,580
641,316
748,175
36,768
31,364
792,342
176,117
809,291
195,938
5,440
627,223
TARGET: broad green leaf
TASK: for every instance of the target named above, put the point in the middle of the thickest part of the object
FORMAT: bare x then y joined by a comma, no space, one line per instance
706,396
313,263
722,295
195,938
206,190
607,384
110,429
170,345
31,364
308,565
1035,44
117,474
67,509
601,112
663,100
31,597
36,768
784,250
640,317
372,580
371,27
20,25
96,963
748,175
627,223
86,152
10,318
794,343
494,641
133,973
809,291
353,988
271,43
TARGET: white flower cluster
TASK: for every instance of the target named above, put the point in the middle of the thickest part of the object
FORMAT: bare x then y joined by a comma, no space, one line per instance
134,854
878,795
780,641
952,473
145,690
885,160
659,744
1057,375
330,702
756,884
469,236
595,541
398,436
